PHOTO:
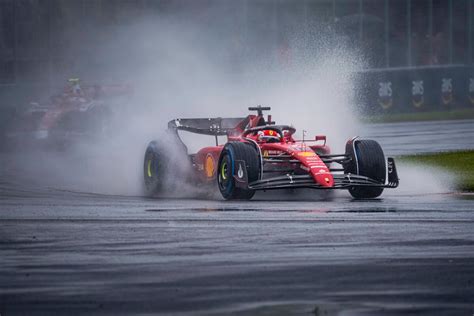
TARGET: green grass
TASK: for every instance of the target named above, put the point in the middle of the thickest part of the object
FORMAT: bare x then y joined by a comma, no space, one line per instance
460,114
460,163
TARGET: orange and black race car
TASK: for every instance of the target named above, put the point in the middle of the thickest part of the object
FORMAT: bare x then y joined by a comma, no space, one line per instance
260,155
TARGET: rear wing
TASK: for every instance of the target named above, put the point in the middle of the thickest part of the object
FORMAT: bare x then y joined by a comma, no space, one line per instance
209,126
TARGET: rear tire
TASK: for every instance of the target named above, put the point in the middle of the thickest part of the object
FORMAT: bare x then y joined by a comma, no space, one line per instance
167,167
232,152
154,169
367,159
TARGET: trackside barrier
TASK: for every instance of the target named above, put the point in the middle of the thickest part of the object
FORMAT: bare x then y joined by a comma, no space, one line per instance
408,90
379,91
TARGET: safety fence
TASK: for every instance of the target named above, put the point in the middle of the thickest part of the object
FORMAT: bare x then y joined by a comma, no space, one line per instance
408,90
379,91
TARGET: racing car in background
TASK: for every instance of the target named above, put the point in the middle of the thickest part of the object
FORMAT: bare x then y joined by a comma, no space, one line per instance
260,155
78,112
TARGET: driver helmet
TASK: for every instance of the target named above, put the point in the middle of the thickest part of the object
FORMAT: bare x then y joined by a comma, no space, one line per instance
268,135
74,85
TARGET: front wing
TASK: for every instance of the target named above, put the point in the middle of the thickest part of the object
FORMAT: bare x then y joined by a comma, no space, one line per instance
341,181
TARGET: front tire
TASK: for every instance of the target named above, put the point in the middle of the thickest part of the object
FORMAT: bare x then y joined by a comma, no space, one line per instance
367,159
231,154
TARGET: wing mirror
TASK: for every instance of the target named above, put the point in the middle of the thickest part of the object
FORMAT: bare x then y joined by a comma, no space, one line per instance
320,137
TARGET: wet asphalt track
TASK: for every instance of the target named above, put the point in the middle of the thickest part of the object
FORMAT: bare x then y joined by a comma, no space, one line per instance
74,253
422,137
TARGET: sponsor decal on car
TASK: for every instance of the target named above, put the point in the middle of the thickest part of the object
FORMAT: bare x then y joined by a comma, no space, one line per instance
306,154
304,168
240,173
267,153
390,166
210,166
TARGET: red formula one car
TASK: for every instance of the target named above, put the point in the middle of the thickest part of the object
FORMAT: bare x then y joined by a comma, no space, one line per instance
260,155
78,112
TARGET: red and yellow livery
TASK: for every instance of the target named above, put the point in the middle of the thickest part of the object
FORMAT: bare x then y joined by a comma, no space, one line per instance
260,155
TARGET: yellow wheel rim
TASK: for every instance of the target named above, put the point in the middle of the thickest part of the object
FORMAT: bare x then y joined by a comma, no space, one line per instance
149,169
223,169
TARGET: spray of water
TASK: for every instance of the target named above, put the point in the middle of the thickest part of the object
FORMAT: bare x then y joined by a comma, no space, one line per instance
175,70
422,180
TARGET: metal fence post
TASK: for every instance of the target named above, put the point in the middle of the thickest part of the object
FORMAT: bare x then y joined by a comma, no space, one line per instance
469,32
276,30
409,32
361,27
430,30
50,59
305,21
450,9
15,42
387,37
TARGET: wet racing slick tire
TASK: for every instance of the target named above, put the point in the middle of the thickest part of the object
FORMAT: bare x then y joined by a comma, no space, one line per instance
367,159
154,169
231,154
